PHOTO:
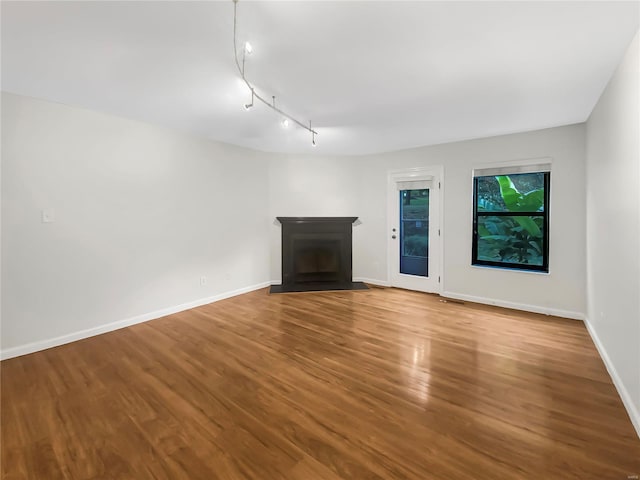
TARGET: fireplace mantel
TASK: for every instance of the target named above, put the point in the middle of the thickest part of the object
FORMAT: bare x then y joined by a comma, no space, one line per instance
300,220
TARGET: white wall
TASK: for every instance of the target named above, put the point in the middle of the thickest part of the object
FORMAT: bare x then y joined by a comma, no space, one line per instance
613,228
312,186
343,186
141,213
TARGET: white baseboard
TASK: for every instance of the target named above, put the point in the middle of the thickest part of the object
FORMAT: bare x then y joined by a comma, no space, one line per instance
516,306
632,410
109,327
372,281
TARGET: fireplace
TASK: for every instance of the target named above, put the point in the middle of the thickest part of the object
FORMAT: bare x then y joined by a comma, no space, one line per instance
316,254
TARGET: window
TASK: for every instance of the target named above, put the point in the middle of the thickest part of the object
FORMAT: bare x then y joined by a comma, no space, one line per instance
511,217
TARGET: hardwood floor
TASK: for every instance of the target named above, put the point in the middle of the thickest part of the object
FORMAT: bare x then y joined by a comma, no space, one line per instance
378,384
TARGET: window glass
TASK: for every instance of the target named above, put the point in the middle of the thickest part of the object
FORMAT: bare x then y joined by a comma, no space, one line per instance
510,227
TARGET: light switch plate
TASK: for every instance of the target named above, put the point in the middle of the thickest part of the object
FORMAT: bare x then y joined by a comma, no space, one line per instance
48,215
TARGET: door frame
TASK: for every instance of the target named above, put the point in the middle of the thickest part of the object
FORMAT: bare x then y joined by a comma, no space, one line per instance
435,173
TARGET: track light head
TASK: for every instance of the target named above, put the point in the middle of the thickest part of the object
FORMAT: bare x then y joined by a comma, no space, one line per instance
249,105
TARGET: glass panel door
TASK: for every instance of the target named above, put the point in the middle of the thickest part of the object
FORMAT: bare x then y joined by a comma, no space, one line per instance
414,232
414,245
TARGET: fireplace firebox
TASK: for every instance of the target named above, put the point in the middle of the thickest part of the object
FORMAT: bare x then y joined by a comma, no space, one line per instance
316,254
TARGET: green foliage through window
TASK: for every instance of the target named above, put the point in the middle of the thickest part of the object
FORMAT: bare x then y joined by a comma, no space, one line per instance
511,221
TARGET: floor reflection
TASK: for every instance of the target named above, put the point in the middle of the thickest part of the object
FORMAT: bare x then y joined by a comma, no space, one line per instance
419,376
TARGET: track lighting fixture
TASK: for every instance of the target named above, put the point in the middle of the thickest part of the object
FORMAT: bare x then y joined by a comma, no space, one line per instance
247,50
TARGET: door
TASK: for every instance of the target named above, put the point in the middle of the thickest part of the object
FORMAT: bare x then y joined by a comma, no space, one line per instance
414,229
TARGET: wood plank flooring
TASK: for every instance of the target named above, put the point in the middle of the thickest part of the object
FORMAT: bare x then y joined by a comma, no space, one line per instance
377,384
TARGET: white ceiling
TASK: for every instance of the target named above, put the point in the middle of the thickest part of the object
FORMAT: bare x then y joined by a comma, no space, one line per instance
371,76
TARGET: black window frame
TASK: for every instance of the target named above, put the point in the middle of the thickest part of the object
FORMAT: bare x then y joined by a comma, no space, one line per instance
545,239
